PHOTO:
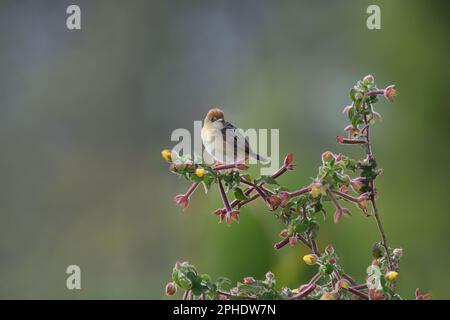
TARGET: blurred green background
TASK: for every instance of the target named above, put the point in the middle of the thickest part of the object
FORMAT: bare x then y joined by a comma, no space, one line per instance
84,115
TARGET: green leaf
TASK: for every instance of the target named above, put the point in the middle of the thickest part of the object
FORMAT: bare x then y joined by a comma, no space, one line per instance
301,227
267,180
239,194
314,230
207,182
352,93
224,284
181,280
267,295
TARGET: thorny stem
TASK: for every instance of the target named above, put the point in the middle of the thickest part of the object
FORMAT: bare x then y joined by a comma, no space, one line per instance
360,286
358,293
349,279
224,196
241,166
374,92
244,202
346,196
333,199
300,192
314,246
257,188
372,195
247,192
186,295
304,293
316,278
282,243
191,189
310,287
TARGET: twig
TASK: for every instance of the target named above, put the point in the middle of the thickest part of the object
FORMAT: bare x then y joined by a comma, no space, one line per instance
372,197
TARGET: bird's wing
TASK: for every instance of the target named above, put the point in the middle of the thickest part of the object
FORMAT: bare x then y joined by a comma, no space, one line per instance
238,137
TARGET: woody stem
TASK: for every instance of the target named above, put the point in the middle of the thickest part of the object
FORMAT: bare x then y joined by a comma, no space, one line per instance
373,198
224,196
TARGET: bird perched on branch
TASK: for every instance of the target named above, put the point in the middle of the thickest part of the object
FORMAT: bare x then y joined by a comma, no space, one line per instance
224,142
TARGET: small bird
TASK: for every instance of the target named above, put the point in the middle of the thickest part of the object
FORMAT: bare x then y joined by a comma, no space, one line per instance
224,142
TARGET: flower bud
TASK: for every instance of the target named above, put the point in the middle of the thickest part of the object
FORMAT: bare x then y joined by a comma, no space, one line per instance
274,201
167,155
340,139
270,275
179,165
420,296
358,183
293,241
177,265
329,249
375,294
289,162
341,284
310,259
327,156
316,189
200,172
189,164
283,233
390,93
340,212
223,297
347,109
182,201
368,79
391,276
285,197
350,131
249,280
171,289
398,252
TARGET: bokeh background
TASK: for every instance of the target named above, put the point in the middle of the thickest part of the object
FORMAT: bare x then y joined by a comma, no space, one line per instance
84,115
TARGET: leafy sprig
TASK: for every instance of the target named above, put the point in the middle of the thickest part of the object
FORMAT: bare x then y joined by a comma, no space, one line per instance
341,180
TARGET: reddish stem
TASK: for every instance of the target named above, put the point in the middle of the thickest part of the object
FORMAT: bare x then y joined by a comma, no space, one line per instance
300,192
358,293
224,196
346,196
191,189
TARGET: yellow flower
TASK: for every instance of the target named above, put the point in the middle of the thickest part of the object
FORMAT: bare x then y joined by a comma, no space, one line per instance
316,189
391,276
200,172
167,155
295,291
310,259
328,296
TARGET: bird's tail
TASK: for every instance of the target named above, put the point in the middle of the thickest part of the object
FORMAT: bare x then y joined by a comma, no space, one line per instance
262,159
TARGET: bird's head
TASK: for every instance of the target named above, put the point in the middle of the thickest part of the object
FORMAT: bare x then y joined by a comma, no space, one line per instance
214,115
